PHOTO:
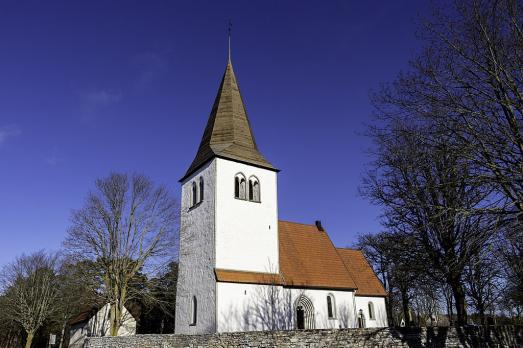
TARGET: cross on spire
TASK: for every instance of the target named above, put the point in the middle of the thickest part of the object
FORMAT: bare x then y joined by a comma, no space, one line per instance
229,30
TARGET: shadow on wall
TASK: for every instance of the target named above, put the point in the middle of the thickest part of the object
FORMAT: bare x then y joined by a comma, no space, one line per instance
345,317
271,308
274,308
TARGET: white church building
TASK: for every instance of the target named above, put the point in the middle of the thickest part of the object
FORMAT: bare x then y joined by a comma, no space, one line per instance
243,269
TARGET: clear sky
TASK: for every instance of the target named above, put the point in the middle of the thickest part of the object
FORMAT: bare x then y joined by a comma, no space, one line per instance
90,87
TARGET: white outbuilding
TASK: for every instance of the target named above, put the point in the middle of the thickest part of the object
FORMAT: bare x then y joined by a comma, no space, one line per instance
241,268
95,323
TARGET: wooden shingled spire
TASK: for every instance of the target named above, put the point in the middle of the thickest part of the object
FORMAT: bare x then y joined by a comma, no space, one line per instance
228,133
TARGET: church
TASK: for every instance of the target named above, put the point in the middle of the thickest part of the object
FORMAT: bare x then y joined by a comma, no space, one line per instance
243,269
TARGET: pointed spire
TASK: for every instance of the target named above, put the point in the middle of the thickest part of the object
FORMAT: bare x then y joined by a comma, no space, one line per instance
228,133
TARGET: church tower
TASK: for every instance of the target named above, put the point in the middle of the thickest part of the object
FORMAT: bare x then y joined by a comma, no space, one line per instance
229,211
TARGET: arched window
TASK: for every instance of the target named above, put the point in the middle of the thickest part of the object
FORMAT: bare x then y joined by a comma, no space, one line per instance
331,306
194,311
194,194
371,311
240,186
254,189
201,189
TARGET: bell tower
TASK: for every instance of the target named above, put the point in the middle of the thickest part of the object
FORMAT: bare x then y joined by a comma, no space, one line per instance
229,210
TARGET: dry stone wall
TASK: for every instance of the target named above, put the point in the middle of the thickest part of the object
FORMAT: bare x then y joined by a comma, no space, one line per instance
492,336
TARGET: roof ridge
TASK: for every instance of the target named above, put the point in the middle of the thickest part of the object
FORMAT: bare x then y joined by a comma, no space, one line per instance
341,260
243,271
298,223
347,248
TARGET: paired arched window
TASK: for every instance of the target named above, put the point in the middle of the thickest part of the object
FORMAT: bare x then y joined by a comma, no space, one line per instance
194,310
240,186
371,311
244,190
197,190
331,306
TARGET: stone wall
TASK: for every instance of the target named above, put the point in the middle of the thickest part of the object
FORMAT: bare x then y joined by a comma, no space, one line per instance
494,336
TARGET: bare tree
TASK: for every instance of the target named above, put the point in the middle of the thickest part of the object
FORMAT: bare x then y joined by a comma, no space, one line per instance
30,290
510,251
394,259
471,73
467,88
428,193
124,226
484,283
77,288
10,331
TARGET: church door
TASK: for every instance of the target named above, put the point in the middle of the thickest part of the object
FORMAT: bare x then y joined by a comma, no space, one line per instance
300,318
304,313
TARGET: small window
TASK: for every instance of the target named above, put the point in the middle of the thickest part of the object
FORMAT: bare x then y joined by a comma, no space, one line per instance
194,194
371,311
194,311
254,189
240,187
201,189
331,308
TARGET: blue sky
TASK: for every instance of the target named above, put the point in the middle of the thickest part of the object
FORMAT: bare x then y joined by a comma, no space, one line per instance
91,87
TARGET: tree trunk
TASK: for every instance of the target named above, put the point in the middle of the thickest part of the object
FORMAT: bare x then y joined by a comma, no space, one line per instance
63,334
388,308
450,313
459,298
388,304
405,305
29,340
115,319
481,311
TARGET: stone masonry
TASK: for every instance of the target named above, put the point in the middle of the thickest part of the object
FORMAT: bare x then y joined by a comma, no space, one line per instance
488,336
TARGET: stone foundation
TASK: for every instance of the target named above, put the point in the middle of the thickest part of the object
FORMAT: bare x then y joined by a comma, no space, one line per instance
488,336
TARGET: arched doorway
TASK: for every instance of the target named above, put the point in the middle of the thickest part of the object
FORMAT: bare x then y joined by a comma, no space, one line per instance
304,313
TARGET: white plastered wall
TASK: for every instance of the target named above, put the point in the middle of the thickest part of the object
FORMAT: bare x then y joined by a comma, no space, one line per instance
249,307
246,232
380,310
196,269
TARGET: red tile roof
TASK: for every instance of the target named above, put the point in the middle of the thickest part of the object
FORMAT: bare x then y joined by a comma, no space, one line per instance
309,259
83,316
360,270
